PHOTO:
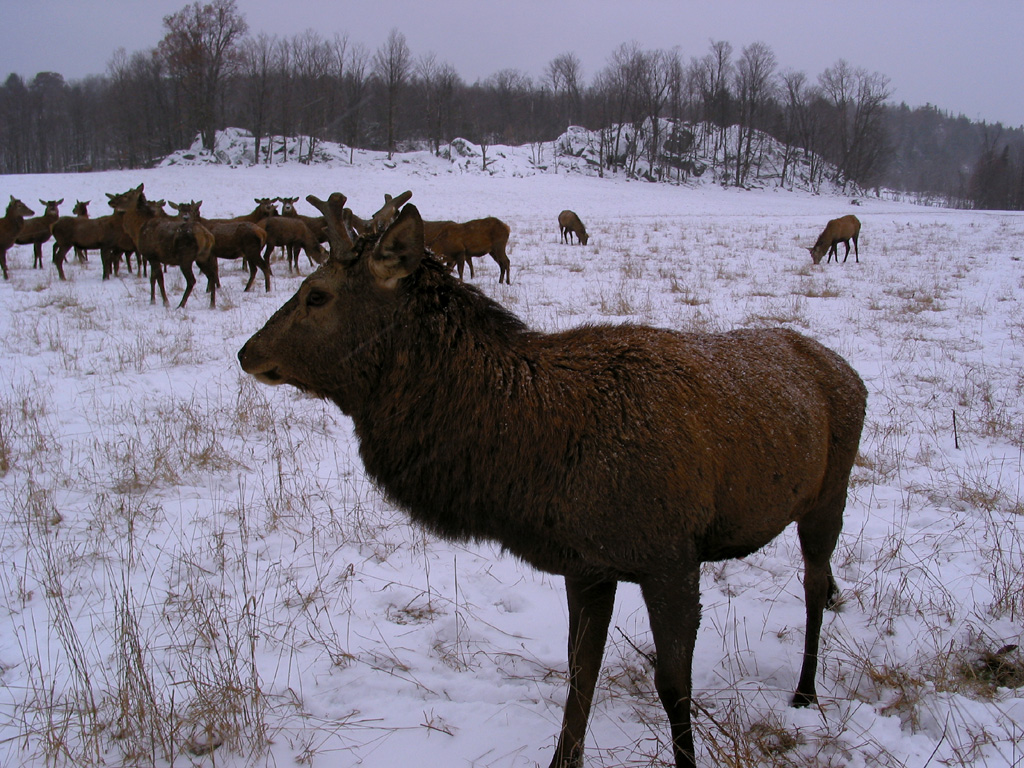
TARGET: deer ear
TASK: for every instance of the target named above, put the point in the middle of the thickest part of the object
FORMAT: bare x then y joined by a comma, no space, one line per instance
400,249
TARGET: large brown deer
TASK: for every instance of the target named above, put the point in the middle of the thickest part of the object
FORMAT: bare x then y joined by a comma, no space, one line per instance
603,453
569,224
458,243
841,230
10,226
36,231
174,242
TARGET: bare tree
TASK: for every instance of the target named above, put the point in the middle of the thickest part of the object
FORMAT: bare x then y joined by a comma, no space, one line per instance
617,83
392,64
856,97
438,83
711,75
654,72
312,58
284,76
754,84
143,109
356,93
201,51
564,74
338,49
257,67
509,89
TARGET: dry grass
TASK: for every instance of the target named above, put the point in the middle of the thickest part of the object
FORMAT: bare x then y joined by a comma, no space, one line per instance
186,551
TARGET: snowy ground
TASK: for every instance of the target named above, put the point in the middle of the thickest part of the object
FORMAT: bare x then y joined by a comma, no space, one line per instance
191,559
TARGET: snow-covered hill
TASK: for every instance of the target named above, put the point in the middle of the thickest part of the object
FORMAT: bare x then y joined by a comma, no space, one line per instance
686,154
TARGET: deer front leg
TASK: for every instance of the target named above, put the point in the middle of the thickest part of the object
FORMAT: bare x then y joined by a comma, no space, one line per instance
673,603
590,612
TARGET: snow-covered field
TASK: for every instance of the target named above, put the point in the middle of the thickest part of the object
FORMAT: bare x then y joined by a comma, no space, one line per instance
189,559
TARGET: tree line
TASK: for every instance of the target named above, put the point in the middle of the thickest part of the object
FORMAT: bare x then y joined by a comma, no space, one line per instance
208,72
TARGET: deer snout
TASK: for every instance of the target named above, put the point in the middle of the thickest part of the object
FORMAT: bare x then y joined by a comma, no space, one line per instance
255,365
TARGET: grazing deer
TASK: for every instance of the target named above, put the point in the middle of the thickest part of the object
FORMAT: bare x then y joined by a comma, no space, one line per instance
569,224
10,226
841,230
602,453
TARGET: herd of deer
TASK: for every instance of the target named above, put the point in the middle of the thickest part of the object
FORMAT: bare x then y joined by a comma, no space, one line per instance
141,227
603,453
180,240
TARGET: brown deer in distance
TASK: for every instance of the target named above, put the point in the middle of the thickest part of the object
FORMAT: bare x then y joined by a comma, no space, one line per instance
569,224
36,231
10,226
316,224
458,243
236,238
174,242
601,453
841,230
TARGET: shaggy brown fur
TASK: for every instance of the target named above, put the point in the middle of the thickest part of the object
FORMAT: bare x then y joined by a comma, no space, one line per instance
602,453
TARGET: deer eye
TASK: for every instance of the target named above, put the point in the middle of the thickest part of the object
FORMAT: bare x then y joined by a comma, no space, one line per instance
316,298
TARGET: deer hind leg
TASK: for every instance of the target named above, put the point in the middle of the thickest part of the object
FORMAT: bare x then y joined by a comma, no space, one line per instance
590,613
501,257
156,277
673,603
818,532
190,282
59,252
212,278
250,263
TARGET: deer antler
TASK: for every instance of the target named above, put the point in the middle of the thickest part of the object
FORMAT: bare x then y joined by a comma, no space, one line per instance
338,236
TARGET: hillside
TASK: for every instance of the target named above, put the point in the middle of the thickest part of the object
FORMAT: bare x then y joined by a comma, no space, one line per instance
575,152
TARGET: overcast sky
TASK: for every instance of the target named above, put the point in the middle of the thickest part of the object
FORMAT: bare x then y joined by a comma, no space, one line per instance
963,56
